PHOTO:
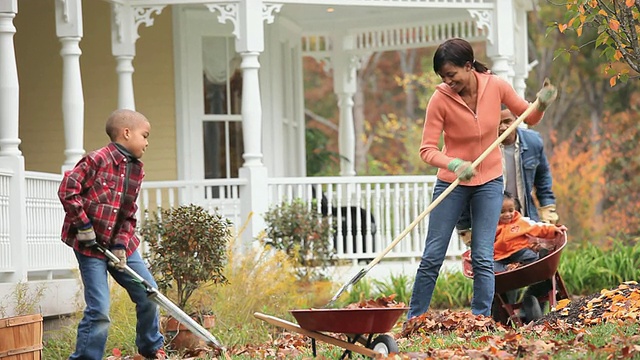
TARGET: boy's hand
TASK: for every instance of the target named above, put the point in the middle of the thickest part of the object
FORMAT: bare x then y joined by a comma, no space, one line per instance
121,254
86,236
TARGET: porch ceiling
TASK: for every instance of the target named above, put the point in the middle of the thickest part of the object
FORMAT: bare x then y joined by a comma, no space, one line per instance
334,17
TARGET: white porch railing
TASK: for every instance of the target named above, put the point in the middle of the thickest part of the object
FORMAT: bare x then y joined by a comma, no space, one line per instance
366,212
30,248
47,258
371,210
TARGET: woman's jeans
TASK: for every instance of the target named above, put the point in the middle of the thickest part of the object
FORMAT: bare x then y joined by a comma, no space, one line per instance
94,326
485,202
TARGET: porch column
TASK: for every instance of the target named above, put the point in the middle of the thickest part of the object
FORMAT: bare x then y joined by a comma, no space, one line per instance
9,87
249,32
344,86
500,48
125,20
69,32
10,155
521,68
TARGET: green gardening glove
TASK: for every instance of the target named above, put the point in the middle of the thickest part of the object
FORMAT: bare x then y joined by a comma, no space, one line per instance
462,168
546,95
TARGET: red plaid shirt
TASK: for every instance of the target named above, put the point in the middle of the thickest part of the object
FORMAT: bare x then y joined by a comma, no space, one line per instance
92,193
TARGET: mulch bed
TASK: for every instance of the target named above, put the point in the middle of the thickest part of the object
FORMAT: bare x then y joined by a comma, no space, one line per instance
619,304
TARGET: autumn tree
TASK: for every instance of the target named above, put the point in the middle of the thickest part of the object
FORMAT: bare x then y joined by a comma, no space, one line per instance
617,23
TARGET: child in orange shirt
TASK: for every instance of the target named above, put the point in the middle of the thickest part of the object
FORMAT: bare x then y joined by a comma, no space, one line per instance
512,248
512,243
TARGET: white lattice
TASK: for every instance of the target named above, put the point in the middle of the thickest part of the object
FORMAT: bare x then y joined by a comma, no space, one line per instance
414,36
316,43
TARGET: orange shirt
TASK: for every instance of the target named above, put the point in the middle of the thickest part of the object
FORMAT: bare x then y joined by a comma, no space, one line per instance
512,237
468,134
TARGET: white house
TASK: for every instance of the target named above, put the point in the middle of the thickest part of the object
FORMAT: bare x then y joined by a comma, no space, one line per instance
221,82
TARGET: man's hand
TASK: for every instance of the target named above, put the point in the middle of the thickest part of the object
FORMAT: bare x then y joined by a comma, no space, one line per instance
548,214
86,236
546,95
121,254
462,168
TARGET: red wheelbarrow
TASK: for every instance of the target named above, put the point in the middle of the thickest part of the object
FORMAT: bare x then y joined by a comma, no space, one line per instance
359,325
543,269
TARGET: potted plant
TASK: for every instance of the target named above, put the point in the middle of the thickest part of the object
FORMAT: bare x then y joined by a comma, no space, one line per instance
187,249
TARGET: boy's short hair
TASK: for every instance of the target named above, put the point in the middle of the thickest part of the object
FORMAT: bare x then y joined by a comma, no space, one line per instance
119,119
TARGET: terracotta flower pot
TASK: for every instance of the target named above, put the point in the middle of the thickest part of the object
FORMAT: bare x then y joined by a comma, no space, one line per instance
180,337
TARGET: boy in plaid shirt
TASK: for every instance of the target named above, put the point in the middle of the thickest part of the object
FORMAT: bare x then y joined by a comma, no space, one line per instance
99,197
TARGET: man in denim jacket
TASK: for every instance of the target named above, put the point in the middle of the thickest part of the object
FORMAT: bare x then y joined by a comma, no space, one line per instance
522,174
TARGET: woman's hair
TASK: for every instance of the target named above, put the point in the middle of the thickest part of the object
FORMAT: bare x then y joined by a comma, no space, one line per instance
508,195
458,52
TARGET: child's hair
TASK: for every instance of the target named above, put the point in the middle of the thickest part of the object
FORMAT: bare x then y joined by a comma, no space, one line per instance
508,195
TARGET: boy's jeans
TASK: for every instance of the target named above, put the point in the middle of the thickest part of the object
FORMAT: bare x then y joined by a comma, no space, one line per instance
94,326
486,203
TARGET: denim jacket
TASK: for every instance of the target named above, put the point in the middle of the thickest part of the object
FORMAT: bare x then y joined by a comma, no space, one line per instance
534,172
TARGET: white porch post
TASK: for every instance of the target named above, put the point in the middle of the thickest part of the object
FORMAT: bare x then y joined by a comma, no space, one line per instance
500,48
9,87
521,40
248,17
10,155
344,86
69,32
125,20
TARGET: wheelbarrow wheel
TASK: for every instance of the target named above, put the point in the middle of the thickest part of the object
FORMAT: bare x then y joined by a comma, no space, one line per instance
384,344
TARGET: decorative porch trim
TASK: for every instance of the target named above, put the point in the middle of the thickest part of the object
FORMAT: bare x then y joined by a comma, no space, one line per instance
65,10
268,11
142,15
459,4
320,45
230,12
227,12
484,20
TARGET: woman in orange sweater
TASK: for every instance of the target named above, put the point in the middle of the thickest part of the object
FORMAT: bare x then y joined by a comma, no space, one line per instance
465,110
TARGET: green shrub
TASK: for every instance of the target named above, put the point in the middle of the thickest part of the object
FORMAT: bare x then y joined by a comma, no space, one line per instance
453,291
401,285
589,268
187,248
302,233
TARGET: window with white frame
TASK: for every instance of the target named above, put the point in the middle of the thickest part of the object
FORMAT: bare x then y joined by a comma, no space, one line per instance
221,120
